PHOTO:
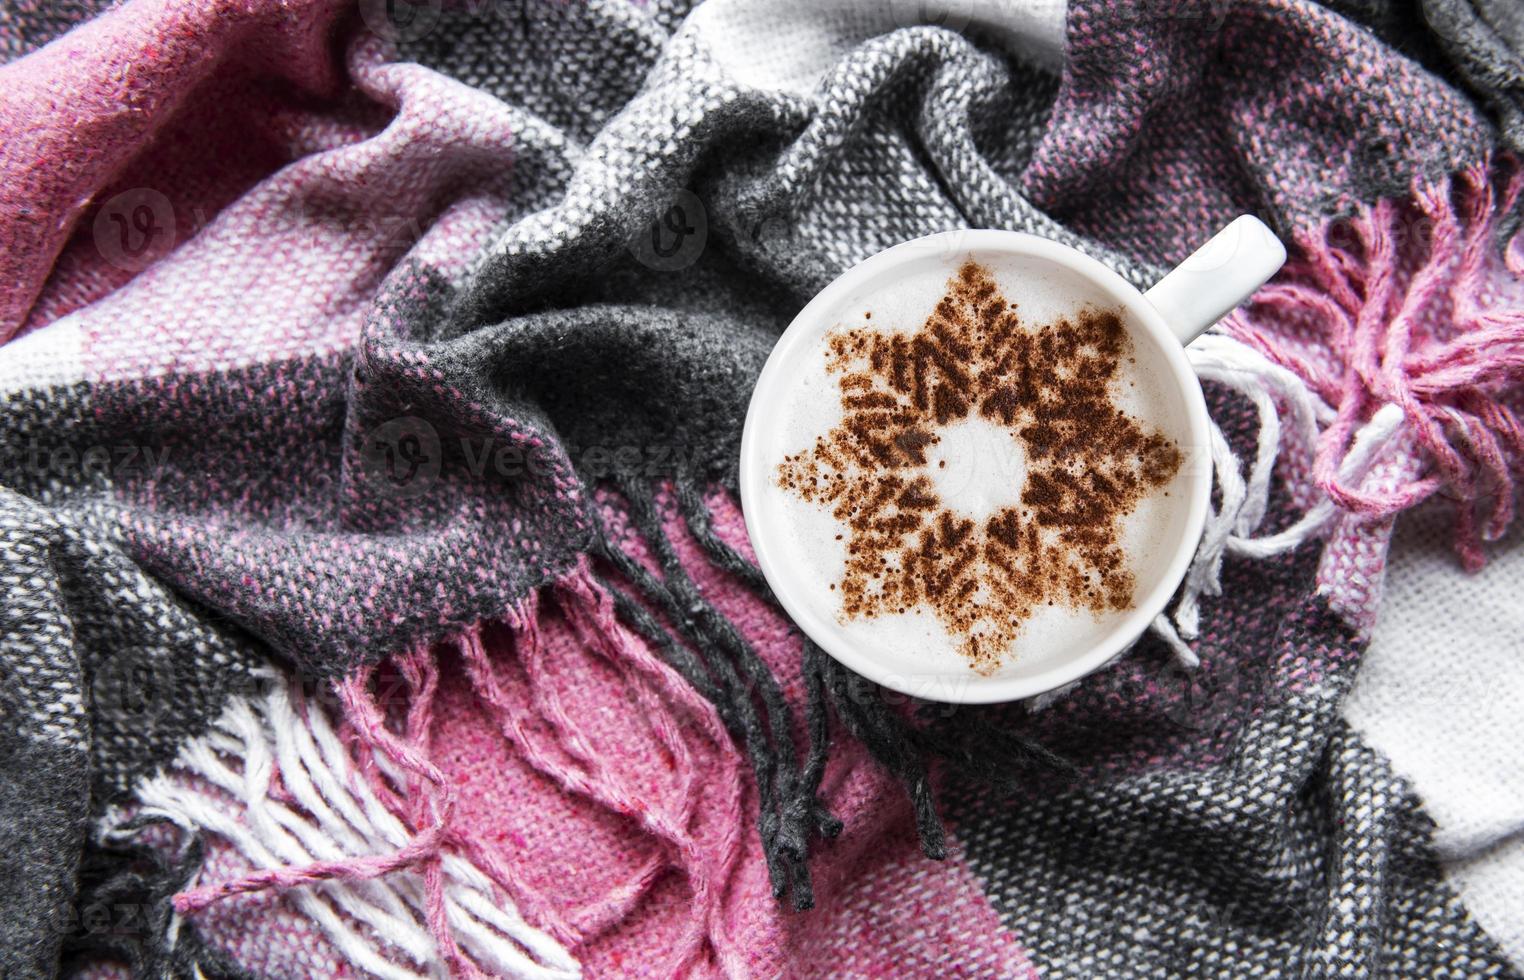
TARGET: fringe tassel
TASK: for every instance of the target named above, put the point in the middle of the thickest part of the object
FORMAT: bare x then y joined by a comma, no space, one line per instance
860,707
902,743
1409,323
343,853
696,517
592,615
555,745
964,738
730,674
430,810
1242,502
1411,346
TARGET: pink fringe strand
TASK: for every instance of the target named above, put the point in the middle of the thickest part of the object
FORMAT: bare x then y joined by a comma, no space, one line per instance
1404,307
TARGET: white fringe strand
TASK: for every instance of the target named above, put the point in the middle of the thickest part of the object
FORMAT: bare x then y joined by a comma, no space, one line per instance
1281,399
220,785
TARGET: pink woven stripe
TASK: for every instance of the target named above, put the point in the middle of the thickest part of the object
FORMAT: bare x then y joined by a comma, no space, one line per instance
352,208
75,113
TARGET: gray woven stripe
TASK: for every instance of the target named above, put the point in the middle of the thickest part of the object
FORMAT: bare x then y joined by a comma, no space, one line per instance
1294,852
26,25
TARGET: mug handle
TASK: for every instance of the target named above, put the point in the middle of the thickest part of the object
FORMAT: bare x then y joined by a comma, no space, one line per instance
1217,277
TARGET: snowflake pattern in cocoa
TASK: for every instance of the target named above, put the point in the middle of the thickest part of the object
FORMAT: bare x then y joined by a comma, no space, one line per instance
1051,387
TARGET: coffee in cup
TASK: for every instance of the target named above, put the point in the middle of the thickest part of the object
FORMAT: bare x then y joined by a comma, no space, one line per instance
974,467
992,465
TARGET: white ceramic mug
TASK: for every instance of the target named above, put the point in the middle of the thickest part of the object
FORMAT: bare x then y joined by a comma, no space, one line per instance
1214,280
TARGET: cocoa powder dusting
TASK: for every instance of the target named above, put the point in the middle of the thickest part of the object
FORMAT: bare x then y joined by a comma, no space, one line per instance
1088,465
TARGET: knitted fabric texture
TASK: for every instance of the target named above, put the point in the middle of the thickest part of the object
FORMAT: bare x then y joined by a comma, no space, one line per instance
376,595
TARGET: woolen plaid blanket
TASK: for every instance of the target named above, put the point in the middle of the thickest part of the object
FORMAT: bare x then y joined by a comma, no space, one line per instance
376,599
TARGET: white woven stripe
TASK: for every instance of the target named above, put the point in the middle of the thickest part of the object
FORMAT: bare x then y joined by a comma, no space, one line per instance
45,358
1439,692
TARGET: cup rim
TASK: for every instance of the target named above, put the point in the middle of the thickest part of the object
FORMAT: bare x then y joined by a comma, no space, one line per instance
798,338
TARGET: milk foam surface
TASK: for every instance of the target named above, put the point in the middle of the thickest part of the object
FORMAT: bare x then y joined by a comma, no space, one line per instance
977,466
